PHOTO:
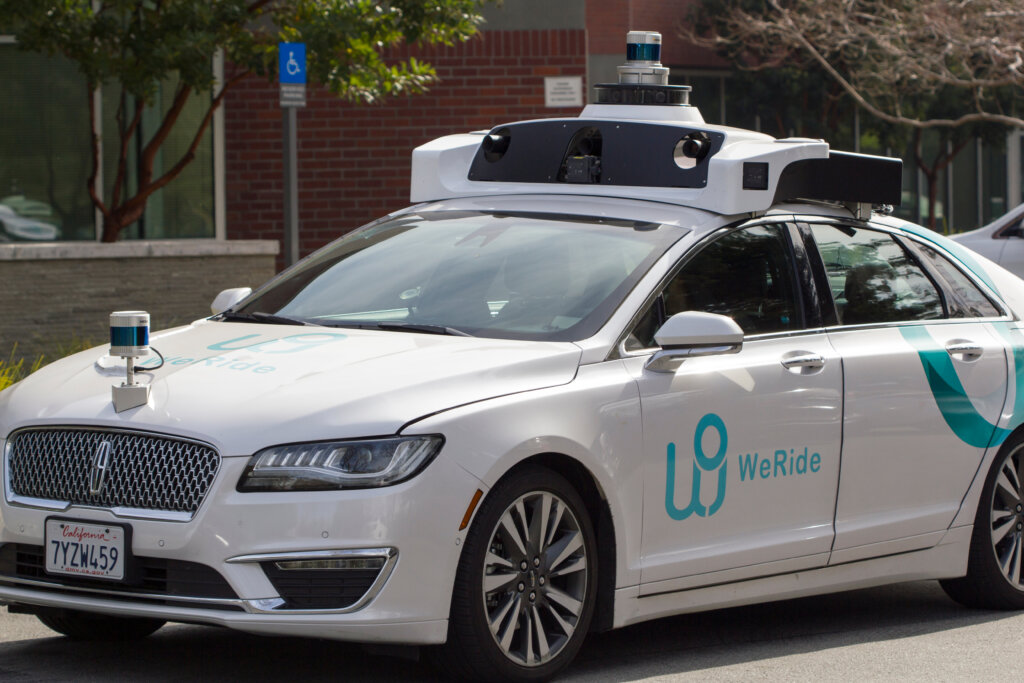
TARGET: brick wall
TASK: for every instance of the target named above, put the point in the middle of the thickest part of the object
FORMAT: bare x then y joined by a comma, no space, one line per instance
354,160
607,24
55,294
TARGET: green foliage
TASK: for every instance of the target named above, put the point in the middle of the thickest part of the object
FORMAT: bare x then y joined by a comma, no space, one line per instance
67,347
344,38
141,43
9,373
12,371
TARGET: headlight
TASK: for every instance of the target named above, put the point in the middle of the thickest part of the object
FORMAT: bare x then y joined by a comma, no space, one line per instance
324,466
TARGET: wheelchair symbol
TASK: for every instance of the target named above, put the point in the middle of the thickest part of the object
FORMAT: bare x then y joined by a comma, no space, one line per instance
292,66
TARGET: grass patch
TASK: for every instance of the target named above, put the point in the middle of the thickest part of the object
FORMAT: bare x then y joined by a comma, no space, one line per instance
67,347
12,370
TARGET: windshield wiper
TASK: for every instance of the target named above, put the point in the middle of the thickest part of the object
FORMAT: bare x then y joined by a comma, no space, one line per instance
415,327
260,317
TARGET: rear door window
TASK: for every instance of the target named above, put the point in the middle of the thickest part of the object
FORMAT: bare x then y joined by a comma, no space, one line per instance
965,299
873,278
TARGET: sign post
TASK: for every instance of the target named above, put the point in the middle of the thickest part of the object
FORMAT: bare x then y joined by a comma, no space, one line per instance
291,58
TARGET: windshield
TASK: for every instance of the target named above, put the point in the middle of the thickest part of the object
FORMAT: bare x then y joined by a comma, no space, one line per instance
522,276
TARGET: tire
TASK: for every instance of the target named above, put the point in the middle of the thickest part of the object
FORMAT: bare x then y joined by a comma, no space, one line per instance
96,627
995,566
540,601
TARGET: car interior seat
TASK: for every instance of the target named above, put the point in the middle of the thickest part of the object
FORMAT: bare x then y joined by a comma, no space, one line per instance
869,295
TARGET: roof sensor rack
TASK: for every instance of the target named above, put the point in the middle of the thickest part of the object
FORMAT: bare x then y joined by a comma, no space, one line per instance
664,153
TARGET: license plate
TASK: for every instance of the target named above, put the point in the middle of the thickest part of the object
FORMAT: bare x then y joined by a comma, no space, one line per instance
87,550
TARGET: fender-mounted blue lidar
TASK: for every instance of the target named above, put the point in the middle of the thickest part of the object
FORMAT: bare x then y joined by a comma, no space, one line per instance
129,339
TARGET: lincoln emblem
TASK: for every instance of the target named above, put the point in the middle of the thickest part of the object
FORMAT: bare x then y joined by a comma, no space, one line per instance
100,465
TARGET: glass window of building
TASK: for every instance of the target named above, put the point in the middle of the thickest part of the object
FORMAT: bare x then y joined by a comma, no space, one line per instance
184,208
44,149
46,160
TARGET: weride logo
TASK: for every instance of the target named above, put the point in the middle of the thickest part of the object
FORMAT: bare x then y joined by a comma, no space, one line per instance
701,463
249,344
753,467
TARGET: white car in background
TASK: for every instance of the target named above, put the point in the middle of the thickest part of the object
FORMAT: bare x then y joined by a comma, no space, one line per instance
1001,241
17,228
606,369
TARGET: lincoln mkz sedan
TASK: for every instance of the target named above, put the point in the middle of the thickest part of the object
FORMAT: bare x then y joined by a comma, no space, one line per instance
605,369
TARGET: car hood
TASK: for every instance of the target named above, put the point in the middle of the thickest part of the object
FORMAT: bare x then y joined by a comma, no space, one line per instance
243,386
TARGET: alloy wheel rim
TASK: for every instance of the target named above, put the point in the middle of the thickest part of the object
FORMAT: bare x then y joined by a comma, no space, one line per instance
535,578
1007,519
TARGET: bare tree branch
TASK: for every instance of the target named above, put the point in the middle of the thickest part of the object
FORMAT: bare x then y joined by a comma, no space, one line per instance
197,138
122,157
898,118
886,53
149,152
133,208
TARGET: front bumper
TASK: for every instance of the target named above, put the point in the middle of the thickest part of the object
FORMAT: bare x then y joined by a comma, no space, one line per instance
222,566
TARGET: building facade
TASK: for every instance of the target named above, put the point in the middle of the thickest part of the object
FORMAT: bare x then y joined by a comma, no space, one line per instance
531,59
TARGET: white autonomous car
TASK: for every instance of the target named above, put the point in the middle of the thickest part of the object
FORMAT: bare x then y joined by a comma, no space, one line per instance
606,369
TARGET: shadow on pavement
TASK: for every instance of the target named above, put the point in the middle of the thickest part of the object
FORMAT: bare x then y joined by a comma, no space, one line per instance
668,647
707,640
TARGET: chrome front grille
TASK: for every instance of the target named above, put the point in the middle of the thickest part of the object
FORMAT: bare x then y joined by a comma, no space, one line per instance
145,472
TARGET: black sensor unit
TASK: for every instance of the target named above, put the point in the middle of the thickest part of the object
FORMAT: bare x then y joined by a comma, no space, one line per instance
843,177
600,152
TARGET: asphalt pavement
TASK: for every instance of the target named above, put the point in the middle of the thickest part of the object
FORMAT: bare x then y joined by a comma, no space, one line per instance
908,632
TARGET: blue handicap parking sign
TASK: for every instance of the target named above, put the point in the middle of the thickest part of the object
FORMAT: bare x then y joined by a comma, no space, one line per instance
291,58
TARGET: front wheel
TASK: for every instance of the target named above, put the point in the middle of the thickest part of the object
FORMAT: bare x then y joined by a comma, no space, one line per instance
96,627
995,570
526,583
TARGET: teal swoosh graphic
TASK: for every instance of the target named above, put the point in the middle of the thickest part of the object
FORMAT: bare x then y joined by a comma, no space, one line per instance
1015,340
950,396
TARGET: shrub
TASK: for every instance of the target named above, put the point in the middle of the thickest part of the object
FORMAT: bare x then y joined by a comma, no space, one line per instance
12,371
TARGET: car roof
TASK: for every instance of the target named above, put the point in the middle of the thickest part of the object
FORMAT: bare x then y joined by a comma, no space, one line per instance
642,141
690,219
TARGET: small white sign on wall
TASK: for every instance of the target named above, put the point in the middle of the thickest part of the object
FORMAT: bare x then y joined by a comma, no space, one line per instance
563,91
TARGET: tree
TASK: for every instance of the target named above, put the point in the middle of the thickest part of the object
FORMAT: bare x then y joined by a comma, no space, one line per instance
883,52
138,44
953,67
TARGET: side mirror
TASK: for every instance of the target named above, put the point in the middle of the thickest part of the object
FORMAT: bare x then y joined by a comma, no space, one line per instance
694,333
228,298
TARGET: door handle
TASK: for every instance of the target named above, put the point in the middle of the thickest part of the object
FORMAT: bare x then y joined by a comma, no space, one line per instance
804,362
963,347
